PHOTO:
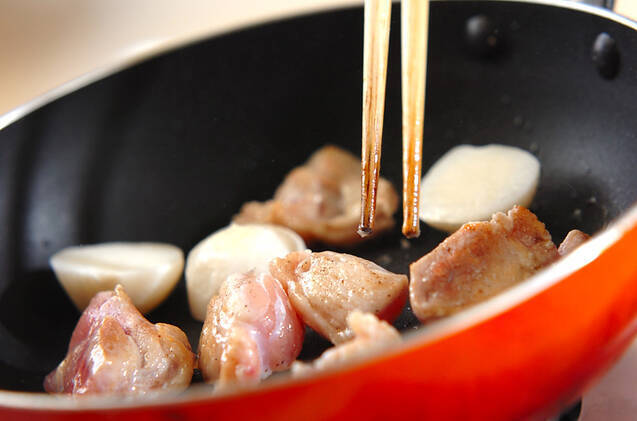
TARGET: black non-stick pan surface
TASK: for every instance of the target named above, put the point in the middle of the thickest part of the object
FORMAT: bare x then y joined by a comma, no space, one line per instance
169,149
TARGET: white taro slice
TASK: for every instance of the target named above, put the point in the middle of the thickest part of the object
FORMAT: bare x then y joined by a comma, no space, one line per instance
234,249
471,183
147,271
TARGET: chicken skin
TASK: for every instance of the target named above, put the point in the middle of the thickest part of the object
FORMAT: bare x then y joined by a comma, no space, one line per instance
251,330
371,335
324,288
478,261
320,200
573,240
114,349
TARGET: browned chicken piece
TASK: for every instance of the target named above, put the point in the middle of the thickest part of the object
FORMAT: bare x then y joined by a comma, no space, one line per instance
478,261
320,200
251,330
371,335
114,349
324,288
573,240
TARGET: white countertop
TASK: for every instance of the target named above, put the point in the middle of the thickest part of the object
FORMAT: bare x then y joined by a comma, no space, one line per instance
48,43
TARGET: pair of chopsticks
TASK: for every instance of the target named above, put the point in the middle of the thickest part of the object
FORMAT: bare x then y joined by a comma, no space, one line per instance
414,23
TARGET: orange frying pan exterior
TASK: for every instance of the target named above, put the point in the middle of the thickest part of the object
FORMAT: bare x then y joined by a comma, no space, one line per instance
525,361
524,354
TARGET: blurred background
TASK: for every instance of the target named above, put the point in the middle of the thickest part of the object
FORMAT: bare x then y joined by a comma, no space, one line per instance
46,44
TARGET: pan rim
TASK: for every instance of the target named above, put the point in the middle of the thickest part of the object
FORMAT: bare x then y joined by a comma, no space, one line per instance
420,337
156,49
427,334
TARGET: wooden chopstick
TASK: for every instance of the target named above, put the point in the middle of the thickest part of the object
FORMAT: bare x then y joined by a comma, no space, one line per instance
414,22
415,19
376,45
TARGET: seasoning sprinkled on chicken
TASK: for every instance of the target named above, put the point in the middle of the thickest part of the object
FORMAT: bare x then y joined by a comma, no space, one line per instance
324,288
478,261
114,349
320,200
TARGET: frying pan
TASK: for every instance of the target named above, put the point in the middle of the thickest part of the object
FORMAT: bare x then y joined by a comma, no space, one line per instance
169,149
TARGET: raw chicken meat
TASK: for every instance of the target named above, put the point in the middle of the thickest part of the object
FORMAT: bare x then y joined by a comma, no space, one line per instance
115,349
321,200
573,240
478,261
371,335
250,331
324,288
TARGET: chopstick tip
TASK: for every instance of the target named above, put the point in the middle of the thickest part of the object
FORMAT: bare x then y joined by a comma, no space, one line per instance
411,232
364,231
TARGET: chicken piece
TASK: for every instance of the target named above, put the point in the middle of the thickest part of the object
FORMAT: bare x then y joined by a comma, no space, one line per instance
371,335
251,330
114,349
478,261
324,288
321,200
233,249
573,240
